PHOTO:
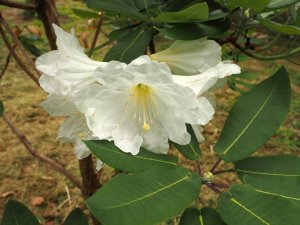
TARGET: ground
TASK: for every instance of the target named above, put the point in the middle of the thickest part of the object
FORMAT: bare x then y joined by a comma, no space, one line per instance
50,195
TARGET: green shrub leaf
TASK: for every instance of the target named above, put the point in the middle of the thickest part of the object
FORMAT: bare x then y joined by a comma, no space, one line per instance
198,11
206,216
145,198
15,213
108,153
211,28
278,27
76,217
126,8
276,175
131,46
192,150
257,5
255,117
244,205
85,14
277,4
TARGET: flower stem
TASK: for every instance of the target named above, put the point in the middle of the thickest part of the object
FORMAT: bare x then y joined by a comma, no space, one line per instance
215,166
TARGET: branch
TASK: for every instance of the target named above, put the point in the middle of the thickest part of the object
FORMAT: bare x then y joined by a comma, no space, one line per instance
16,57
54,165
18,5
215,166
99,26
6,63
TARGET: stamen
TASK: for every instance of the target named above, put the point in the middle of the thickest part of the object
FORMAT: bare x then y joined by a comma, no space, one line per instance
143,104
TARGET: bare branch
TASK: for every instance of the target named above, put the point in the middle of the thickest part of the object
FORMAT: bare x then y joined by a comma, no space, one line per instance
6,63
17,58
99,26
54,165
18,5
17,42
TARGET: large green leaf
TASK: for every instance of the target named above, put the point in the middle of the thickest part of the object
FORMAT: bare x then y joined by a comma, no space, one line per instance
206,216
131,46
278,27
192,150
255,117
1,108
198,11
276,175
86,14
145,198
205,29
243,205
277,4
108,153
126,8
15,213
76,217
257,5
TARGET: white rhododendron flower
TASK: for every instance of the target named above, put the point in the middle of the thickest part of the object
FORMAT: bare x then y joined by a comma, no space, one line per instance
140,105
64,72
145,103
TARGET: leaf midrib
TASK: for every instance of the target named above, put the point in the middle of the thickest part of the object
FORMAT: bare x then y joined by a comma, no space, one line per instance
248,210
139,157
268,174
186,177
255,116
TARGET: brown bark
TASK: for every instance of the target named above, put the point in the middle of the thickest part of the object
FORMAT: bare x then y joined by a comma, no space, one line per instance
90,182
47,13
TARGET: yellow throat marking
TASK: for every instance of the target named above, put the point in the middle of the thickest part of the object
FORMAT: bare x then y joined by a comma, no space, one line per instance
142,96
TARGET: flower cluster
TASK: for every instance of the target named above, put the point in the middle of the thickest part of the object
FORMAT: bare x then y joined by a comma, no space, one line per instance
144,103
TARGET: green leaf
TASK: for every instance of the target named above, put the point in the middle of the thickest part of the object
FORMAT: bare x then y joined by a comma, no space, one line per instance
276,175
198,11
126,8
76,217
243,205
15,213
131,46
278,27
1,108
255,117
192,150
108,153
207,216
206,29
190,216
145,198
277,4
257,5
28,42
85,14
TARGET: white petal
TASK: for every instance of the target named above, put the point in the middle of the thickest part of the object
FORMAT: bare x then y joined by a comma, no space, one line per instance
81,150
99,164
127,138
74,127
202,82
198,132
58,105
190,57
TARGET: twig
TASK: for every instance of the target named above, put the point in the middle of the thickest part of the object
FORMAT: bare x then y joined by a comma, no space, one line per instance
216,190
6,63
215,166
223,171
99,26
16,57
54,165
18,5
152,46
17,42
220,185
